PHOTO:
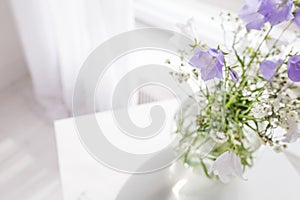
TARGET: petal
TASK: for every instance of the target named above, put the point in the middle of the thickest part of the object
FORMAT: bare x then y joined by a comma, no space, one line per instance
253,20
208,72
234,75
297,18
258,22
227,165
249,14
210,63
268,68
253,4
195,61
198,51
237,166
294,68
225,178
277,11
219,62
221,162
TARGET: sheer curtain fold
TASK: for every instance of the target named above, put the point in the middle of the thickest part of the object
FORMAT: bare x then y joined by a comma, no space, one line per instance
57,37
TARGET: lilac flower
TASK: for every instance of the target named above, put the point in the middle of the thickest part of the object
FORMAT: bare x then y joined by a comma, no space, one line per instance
277,11
234,75
257,12
210,63
250,15
227,165
294,68
268,68
297,18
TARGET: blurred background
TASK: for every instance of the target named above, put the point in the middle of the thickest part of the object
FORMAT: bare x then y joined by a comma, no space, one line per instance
43,43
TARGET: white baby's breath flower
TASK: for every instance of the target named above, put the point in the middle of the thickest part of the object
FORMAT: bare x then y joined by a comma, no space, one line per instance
282,114
258,111
218,137
278,149
276,105
292,128
246,92
293,116
226,166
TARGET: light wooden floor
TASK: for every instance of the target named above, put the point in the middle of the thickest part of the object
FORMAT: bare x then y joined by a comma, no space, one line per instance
28,159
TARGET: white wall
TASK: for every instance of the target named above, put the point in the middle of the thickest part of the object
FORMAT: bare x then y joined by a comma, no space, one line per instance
12,63
230,5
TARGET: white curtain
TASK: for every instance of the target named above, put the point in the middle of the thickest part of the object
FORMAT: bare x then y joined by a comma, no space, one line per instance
57,37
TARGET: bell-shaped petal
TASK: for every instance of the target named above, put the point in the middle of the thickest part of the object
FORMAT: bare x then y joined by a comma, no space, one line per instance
294,68
268,68
234,75
277,11
255,13
249,14
297,18
210,63
226,166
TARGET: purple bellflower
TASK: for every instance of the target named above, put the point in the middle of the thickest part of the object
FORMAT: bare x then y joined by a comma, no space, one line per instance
234,75
209,62
268,68
250,15
277,11
257,12
294,68
297,18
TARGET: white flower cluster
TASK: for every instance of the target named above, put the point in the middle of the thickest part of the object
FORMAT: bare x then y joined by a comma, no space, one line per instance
282,112
290,122
218,137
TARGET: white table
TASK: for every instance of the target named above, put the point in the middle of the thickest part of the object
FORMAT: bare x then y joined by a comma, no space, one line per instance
83,178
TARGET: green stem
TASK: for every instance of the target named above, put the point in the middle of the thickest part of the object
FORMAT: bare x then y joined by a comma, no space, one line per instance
258,48
281,34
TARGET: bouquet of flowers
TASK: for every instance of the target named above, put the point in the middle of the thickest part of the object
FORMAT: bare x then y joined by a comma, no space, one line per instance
249,89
